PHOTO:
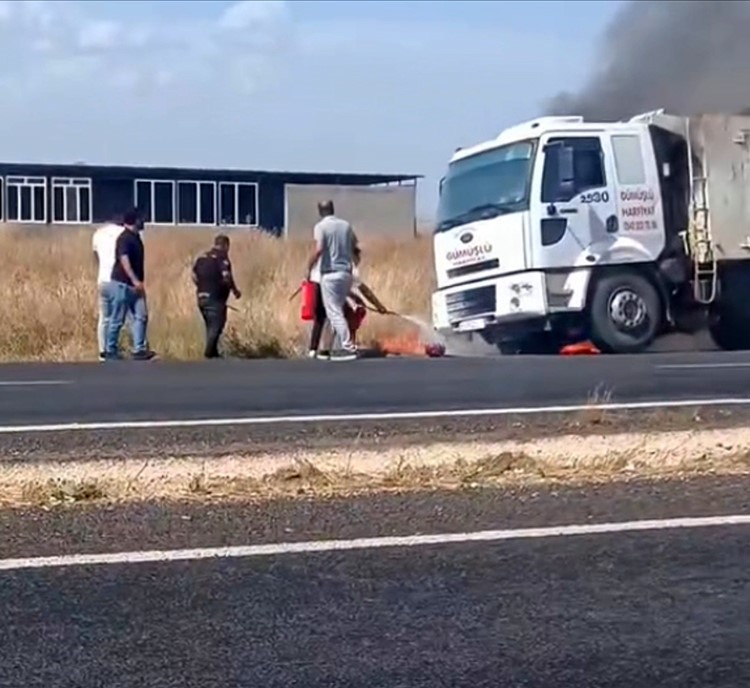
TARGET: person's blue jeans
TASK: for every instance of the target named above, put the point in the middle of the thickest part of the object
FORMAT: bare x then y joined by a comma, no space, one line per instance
125,300
105,313
106,306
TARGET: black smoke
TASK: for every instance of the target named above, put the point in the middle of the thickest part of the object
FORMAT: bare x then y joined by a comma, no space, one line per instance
689,57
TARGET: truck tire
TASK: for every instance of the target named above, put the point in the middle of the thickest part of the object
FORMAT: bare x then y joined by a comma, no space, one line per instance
730,314
728,335
730,328
626,313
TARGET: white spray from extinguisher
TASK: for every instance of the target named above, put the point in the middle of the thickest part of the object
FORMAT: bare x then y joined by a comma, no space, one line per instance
453,345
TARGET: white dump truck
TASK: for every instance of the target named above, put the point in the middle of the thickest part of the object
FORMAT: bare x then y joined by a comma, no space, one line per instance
561,230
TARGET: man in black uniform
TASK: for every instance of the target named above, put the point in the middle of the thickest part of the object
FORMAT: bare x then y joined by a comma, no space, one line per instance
212,275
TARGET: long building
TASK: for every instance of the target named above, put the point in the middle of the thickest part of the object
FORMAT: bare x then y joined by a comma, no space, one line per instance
283,203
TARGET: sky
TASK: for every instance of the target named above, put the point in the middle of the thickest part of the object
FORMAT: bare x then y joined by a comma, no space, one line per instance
347,86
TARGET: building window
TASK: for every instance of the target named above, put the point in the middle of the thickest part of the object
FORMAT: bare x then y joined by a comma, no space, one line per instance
196,203
238,204
26,199
71,200
155,201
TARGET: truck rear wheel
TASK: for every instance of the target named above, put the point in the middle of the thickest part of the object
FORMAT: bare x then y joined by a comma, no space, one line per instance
626,313
730,334
730,328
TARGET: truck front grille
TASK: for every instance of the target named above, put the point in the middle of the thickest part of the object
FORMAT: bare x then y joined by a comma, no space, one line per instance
471,303
477,267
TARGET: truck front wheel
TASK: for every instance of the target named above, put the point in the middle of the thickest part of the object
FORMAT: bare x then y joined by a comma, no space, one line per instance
626,313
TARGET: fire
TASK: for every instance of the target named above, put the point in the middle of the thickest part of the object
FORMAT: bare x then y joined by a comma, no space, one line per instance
411,344
408,345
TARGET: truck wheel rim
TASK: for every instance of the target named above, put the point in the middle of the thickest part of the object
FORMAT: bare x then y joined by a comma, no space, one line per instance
627,310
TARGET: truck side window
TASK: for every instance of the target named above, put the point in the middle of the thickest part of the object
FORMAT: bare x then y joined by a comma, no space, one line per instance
588,168
628,159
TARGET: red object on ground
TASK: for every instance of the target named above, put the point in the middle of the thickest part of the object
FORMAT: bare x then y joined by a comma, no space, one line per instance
579,349
434,350
309,300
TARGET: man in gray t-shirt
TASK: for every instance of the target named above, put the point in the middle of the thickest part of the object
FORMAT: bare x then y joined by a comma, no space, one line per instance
335,243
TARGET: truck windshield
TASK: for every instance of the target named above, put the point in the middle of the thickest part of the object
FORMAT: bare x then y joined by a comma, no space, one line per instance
486,185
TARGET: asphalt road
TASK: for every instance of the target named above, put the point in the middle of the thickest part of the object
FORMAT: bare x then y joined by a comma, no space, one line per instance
664,608
126,391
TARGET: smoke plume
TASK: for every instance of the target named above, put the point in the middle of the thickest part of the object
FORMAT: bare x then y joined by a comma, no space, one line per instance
688,57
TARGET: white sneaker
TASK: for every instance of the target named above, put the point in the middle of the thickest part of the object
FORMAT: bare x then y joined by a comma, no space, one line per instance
312,353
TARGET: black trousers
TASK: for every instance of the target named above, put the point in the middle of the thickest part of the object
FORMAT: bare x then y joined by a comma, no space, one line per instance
319,321
214,312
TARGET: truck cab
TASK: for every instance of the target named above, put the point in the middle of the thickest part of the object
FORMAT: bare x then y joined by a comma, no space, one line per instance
557,230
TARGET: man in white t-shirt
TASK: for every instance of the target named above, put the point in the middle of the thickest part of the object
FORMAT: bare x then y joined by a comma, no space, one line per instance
103,244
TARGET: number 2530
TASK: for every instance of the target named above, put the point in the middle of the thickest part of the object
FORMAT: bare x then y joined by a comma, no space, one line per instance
595,197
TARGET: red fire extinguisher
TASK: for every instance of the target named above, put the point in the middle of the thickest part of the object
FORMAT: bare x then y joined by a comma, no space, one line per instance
355,317
309,300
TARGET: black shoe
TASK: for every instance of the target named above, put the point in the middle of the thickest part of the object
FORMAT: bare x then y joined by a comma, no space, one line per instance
144,355
344,355
102,355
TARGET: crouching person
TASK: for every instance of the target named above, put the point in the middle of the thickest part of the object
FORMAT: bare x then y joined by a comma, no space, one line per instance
214,282
359,296
357,301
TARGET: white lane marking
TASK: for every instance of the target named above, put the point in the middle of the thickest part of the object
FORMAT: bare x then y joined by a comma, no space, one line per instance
354,417
688,366
33,383
249,551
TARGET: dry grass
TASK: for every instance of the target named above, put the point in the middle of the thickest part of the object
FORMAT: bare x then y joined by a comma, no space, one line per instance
49,311
345,472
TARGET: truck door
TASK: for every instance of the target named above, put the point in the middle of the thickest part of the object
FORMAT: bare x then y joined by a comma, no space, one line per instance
640,234
575,204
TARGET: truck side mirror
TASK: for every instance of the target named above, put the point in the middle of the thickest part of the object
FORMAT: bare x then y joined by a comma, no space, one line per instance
440,186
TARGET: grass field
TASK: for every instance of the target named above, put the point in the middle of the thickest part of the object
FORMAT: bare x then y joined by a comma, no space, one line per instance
49,309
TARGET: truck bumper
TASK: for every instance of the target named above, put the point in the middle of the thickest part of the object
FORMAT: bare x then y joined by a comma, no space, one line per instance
496,301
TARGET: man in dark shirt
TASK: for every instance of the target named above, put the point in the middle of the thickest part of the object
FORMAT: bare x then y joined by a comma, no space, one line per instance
212,276
129,291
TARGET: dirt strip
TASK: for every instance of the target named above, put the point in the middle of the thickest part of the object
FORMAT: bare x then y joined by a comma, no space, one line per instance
354,470
380,435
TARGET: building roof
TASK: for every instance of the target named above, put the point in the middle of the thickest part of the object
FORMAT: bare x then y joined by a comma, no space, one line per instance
145,172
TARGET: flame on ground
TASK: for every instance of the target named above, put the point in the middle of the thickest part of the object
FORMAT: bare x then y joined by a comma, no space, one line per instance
408,344
411,344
